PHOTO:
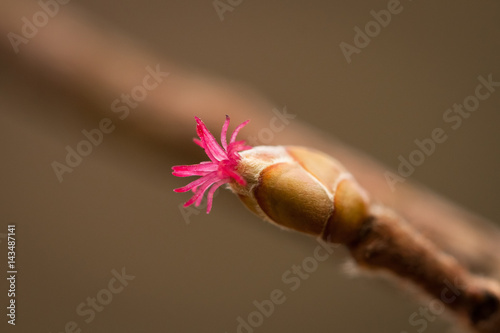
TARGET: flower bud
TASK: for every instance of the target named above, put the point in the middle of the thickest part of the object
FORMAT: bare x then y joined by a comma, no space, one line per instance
294,187
302,189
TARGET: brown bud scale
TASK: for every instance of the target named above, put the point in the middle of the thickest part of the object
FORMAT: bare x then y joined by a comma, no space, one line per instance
304,190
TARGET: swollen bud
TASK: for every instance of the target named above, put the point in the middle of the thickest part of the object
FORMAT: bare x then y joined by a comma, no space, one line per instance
302,189
294,187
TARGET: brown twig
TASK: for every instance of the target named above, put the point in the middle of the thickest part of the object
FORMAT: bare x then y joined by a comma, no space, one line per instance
388,243
73,51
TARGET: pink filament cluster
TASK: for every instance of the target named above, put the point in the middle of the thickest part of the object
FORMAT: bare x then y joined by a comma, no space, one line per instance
221,168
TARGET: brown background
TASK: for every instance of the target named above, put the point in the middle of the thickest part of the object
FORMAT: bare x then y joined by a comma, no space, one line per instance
118,210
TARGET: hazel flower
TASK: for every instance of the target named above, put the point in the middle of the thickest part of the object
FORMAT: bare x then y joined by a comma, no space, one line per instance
296,188
220,170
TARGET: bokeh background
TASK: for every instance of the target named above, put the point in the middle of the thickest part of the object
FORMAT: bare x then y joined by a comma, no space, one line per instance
117,209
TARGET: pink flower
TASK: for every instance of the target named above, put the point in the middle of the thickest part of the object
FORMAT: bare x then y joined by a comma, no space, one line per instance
221,169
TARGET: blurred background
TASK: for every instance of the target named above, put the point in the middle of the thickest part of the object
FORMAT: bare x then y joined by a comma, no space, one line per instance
116,211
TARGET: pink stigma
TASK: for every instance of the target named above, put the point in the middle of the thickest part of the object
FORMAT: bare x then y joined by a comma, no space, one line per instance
221,169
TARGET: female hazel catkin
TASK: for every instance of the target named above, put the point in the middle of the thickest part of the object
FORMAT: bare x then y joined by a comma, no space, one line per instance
293,187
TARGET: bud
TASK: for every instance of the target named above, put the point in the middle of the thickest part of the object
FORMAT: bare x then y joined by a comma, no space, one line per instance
302,189
293,187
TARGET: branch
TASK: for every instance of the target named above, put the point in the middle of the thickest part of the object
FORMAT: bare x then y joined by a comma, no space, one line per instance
389,244
76,54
